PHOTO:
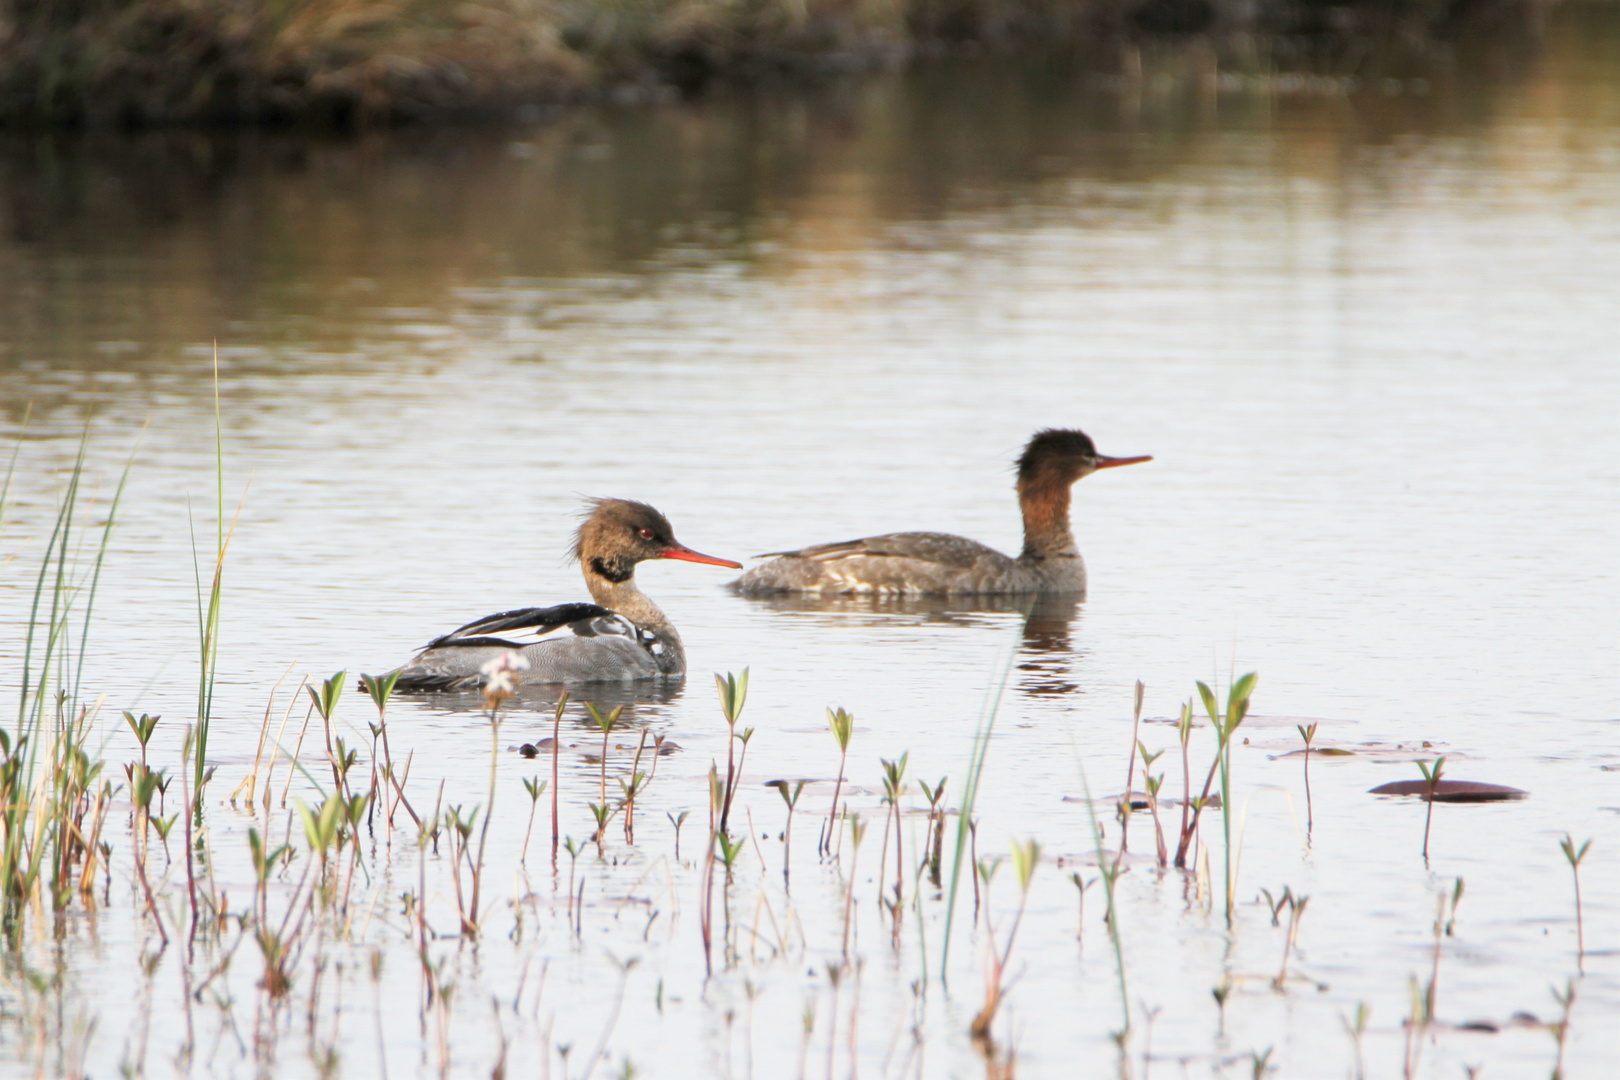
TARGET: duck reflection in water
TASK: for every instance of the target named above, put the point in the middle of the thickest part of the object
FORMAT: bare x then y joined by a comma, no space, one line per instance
1046,654
647,696
527,716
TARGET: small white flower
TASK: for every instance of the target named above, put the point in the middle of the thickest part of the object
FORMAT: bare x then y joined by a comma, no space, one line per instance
503,673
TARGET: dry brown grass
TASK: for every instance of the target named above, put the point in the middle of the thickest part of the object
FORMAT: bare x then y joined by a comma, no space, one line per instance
347,61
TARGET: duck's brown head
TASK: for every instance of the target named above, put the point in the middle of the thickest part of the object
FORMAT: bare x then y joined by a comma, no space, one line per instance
619,533
1060,456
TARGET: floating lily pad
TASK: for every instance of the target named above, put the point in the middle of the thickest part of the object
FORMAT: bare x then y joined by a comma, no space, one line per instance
1462,791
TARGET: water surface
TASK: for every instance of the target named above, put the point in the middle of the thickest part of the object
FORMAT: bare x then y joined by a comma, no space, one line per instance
1369,335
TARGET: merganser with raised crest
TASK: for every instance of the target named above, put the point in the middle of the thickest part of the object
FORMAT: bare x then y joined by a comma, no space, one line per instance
931,563
622,636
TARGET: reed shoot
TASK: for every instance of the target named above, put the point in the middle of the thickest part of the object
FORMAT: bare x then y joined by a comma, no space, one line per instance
535,787
1308,732
556,745
1153,785
1237,707
843,725
1574,856
1356,1029
792,802
1025,858
733,695
605,721
1296,912
1126,801
1431,777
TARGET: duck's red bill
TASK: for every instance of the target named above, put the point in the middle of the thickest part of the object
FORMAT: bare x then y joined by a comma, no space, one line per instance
686,554
1116,462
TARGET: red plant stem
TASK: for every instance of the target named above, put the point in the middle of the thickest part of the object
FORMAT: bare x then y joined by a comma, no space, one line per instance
849,901
1580,929
899,889
630,800
1186,797
1158,830
731,774
707,910
883,857
399,791
733,778
1428,816
1187,832
832,815
1310,817
1130,778
151,901
388,762
556,742
191,878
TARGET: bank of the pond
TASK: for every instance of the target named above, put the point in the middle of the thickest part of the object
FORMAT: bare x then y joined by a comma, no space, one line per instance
134,62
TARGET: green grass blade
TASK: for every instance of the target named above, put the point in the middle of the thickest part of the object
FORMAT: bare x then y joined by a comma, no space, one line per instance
101,556
1108,884
970,792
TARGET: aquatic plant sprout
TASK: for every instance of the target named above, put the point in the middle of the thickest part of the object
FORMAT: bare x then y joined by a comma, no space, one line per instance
1573,855
1237,707
842,725
1431,780
733,695
1307,733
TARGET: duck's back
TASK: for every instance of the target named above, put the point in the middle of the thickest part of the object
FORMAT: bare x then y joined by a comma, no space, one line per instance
563,644
898,564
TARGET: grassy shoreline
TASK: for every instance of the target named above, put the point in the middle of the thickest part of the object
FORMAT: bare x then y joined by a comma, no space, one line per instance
346,62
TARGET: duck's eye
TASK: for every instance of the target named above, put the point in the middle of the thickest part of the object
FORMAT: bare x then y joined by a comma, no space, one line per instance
646,534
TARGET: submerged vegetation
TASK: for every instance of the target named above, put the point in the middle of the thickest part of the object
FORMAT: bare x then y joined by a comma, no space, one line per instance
342,61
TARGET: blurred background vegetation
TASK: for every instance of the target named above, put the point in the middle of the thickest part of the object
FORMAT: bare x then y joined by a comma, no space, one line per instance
341,62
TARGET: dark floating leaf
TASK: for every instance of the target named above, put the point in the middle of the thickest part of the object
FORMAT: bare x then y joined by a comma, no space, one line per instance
1461,791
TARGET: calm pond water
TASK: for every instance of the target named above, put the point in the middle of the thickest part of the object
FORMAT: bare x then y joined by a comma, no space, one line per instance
1370,333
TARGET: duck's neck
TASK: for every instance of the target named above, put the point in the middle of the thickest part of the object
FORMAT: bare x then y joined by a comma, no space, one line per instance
624,598
1045,503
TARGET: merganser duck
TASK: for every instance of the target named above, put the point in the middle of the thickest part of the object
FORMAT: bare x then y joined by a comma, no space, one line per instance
622,636
931,563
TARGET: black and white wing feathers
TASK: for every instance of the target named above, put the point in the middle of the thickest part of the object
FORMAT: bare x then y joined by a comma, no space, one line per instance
528,626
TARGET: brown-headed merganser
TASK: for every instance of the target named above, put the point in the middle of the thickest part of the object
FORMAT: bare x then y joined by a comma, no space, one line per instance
930,563
622,636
